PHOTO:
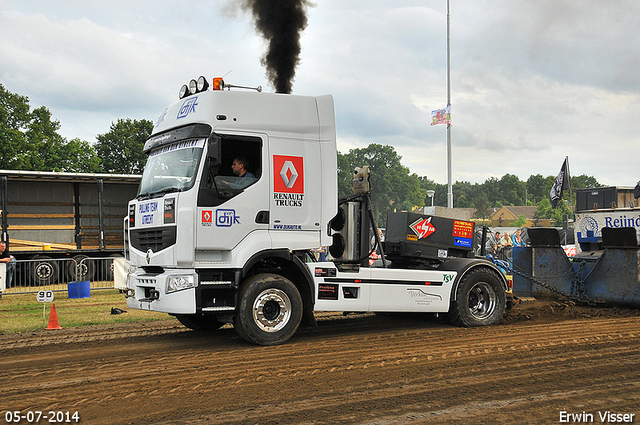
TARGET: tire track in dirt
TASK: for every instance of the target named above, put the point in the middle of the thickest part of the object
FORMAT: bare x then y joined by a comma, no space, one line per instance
343,371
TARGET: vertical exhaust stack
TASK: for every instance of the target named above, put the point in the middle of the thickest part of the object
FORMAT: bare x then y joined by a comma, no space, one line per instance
280,22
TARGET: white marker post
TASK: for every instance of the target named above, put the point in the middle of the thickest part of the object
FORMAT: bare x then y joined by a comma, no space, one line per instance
44,297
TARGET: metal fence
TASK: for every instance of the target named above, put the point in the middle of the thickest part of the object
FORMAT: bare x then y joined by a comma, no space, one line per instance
54,274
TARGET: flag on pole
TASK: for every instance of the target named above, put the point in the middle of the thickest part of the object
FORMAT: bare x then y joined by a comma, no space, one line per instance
441,116
563,182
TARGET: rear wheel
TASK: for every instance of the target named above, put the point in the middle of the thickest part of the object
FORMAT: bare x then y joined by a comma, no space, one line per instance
480,299
199,322
81,268
269,311
44,271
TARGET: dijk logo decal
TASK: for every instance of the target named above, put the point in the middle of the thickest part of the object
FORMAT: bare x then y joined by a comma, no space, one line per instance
288,174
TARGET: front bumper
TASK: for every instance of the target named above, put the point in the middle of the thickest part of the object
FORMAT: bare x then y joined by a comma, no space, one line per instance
148,291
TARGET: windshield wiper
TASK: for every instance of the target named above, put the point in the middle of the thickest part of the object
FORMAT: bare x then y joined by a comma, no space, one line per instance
149,195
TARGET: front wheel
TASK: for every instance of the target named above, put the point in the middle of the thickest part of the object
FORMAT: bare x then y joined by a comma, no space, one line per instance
480,299
269,310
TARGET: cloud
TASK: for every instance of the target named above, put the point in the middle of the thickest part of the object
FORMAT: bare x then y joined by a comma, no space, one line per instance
76,66
532,82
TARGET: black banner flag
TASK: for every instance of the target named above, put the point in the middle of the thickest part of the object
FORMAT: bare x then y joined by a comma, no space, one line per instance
563,182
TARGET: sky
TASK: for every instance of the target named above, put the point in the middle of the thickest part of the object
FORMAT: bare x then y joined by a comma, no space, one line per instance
532,82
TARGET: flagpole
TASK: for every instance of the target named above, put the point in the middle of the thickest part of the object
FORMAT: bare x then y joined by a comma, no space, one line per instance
449,185
570,189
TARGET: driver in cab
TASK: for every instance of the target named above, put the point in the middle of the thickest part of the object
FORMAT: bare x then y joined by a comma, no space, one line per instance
245,178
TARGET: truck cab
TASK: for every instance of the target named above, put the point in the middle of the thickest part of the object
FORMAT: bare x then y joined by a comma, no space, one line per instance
196,230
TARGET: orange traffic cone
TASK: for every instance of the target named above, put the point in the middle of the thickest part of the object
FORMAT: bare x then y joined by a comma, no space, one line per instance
53,318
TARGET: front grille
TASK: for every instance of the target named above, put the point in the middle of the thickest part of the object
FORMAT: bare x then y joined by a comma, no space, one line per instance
145,281
153,239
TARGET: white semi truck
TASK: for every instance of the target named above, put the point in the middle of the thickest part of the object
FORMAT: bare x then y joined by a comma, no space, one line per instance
212,247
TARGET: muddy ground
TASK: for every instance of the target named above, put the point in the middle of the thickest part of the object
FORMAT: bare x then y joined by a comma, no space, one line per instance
546,358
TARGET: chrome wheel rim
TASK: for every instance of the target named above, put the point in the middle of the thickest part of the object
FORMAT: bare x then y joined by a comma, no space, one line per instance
482,300
272,310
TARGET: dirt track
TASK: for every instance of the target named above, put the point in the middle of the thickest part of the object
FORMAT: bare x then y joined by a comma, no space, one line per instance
362,369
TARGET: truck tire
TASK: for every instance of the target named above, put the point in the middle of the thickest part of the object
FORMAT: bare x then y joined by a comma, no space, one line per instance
199,322
44,271
81,268
269,309
110,267
480,299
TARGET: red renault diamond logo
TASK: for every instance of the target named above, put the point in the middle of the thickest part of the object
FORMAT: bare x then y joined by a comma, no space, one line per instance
288,174
422,227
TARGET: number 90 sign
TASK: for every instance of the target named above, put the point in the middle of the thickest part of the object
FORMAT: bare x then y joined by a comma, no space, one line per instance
45,296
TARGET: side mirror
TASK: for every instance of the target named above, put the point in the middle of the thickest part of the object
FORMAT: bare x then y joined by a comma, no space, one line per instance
213,151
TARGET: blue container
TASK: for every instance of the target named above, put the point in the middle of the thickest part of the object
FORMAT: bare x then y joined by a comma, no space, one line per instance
78,289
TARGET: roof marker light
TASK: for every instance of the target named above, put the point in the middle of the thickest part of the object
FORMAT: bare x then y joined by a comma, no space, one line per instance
218,84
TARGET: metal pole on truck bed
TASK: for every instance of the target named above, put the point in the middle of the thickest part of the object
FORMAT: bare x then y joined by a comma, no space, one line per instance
5,235
76,215
102,244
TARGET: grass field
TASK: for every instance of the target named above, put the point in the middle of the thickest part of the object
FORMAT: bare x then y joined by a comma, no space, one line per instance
22,312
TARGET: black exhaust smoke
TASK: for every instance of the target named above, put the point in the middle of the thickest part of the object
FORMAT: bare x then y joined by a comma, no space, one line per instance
280,22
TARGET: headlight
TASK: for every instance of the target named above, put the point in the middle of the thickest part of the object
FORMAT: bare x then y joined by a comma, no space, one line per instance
178,283
193,87
184,91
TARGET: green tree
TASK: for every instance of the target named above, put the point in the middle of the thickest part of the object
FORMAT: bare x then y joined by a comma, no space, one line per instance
545,211
491,188
79,156
535,188
583,181
14,117
428,184
392,186
120,149
520,221
345,175
483,208
47,147
462,201
464,194
511,190
30,140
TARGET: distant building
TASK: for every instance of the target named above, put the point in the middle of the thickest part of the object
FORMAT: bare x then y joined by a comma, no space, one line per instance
456,213
505,216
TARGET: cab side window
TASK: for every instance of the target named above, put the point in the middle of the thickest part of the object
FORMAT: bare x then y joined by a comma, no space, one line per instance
236,167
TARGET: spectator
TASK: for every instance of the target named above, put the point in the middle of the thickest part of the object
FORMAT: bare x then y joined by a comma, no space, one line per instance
495,244
517,239
507,245
7,258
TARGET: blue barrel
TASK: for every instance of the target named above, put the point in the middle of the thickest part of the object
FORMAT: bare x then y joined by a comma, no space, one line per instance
78,289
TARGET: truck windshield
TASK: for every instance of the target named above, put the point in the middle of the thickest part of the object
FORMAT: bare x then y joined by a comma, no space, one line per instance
171,168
